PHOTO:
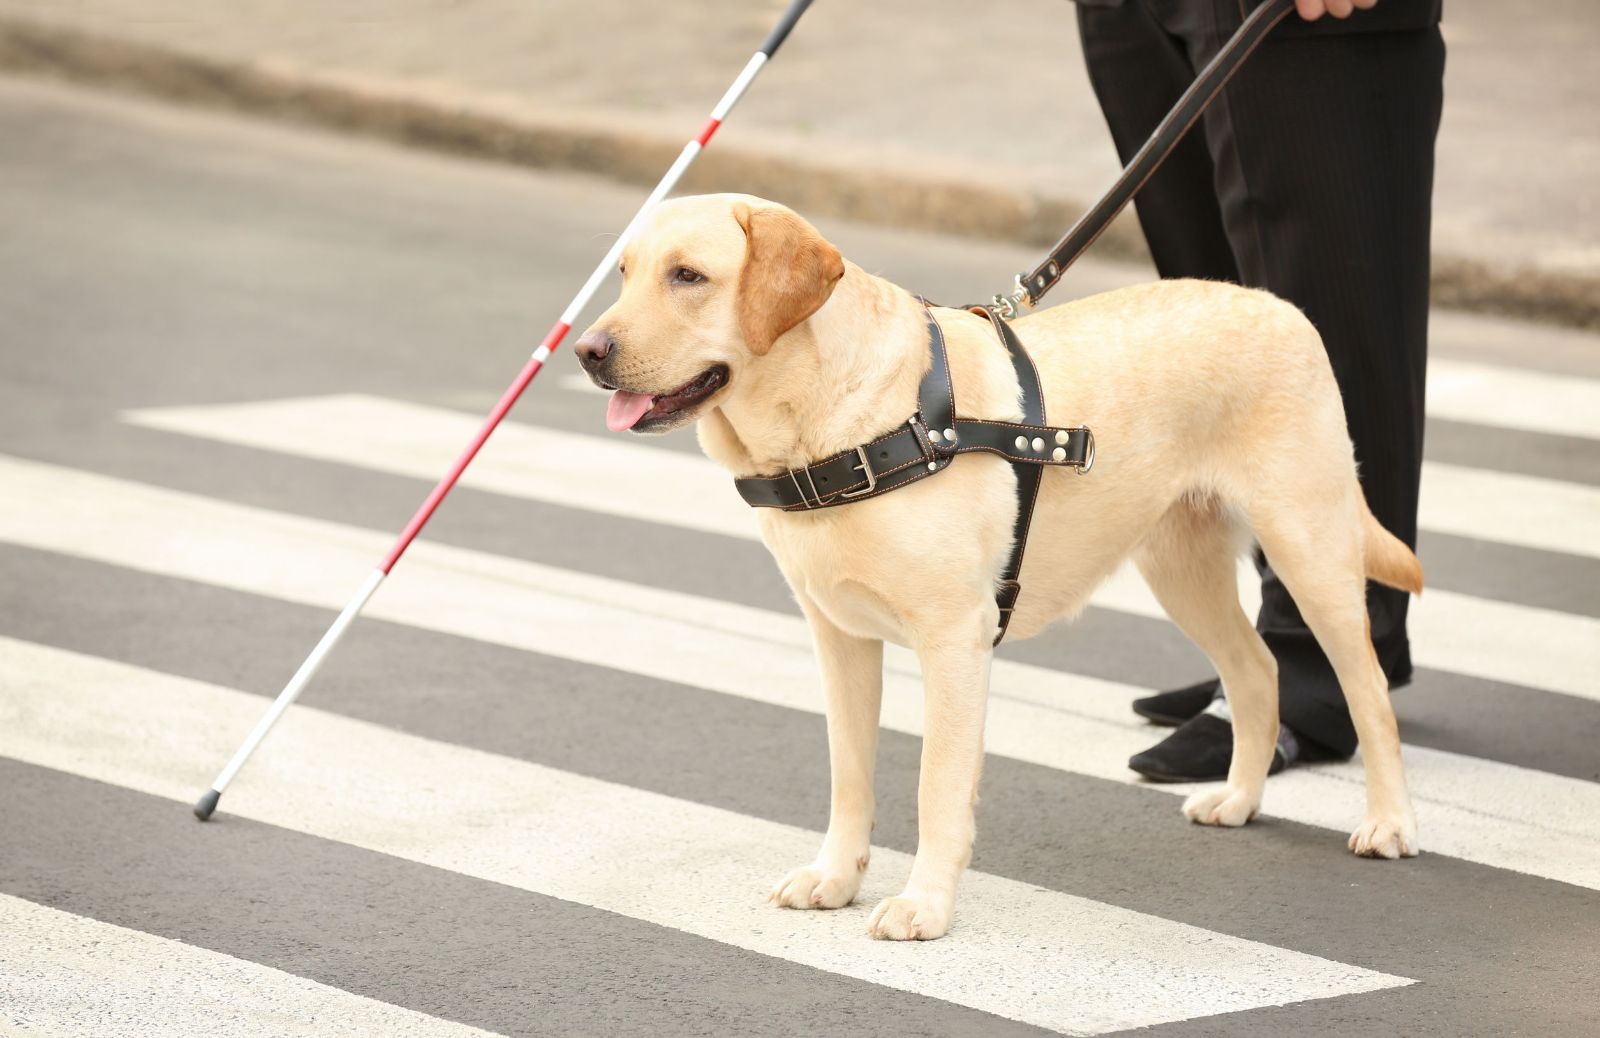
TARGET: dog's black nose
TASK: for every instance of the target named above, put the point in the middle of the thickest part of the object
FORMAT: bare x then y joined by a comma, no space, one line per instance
594,347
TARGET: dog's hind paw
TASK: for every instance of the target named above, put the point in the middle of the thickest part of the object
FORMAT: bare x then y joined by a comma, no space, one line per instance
812,887
1223,806
910,917
1385,837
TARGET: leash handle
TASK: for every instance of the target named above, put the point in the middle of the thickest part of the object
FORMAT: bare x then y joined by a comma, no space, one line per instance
1030,287
780,32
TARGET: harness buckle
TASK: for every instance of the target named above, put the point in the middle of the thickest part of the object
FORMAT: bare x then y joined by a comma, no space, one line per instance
865,468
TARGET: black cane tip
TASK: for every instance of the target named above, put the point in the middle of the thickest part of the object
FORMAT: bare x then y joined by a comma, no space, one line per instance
207,804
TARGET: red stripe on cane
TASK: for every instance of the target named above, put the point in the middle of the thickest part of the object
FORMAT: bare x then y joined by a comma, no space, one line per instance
445,485
555,335
705,134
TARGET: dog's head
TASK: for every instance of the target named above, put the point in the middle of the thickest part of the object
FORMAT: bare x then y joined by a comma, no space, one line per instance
710,283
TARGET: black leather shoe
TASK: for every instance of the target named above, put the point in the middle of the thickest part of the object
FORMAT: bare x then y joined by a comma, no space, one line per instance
1174,708
1198,751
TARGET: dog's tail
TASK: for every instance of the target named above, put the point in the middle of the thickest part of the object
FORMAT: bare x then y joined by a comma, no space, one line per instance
1387,559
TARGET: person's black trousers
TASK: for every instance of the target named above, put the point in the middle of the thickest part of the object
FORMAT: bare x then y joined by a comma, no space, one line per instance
1312,177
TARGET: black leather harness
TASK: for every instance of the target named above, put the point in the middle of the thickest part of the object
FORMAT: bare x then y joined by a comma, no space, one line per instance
929,441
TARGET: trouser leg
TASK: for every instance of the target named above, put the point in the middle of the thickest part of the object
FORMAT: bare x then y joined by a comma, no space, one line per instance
1138,70
1323,147
1317,166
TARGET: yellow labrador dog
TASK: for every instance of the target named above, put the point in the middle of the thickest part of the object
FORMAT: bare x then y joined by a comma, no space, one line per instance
1218,422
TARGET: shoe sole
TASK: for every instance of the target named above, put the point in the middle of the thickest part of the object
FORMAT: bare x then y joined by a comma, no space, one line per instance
1164,720
1156,776
1275,768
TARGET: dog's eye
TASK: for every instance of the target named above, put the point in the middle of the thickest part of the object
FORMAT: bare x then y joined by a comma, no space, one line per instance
687,276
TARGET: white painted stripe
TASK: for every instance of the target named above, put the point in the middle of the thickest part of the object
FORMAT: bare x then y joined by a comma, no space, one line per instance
297,683
1461,392
622,476
1523,510
1477,394
1514,398
1523,645
1039,956
608,474
67,975
1482,811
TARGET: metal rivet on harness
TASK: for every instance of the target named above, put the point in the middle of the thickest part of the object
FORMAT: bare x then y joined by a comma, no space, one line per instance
933,466
1059,454
1061,438
950,434
1038,443
1022,443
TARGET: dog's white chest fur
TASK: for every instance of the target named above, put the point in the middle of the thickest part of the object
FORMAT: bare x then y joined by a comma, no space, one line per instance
822,563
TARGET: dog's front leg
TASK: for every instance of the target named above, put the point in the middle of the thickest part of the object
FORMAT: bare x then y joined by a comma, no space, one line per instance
852,684
955,678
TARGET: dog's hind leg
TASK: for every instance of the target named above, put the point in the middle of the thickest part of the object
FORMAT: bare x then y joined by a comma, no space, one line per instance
1316,549
1188,561
955,678
852,683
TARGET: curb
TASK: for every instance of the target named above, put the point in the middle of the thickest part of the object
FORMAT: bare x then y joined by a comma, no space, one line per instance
625,148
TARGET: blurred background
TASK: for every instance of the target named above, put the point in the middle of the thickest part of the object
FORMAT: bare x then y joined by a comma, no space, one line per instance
938,115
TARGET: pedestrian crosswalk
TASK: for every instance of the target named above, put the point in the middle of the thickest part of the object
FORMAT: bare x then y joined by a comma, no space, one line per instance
1024,951
1509,398
668,861
65,976
1469,808
628,478
1555,651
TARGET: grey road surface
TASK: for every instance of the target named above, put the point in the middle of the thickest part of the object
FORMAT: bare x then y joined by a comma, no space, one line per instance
157,261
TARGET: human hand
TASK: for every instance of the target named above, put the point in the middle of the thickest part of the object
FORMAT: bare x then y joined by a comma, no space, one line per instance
1311,10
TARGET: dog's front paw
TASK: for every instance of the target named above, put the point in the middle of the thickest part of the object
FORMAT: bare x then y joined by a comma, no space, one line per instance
1225,806
1385,836
910,917
815,887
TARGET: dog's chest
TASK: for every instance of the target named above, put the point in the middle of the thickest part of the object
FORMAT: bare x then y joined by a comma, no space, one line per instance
845,572
858,610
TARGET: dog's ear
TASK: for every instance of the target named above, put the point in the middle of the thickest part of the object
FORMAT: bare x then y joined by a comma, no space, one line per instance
789,272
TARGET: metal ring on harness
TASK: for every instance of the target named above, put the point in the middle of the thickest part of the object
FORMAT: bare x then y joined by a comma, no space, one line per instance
1030,286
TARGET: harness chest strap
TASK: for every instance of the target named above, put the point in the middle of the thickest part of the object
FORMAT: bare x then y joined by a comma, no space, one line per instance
929,441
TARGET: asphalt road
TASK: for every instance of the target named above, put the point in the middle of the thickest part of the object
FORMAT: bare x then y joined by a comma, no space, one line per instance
543,786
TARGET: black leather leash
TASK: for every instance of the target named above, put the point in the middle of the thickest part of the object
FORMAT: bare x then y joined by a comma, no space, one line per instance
1031,286
931,438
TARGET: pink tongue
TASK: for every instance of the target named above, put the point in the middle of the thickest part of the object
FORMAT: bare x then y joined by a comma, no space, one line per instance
626,409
